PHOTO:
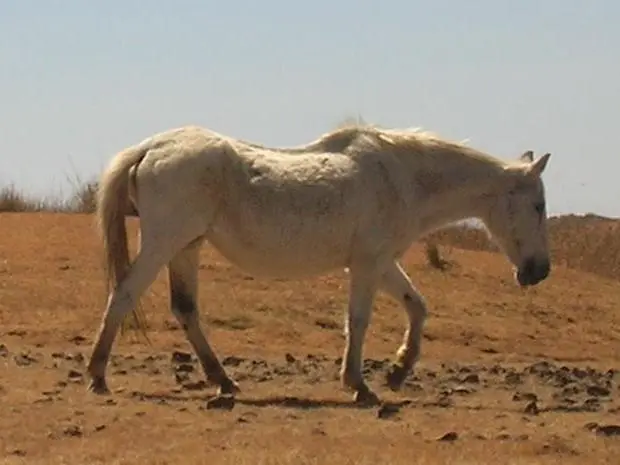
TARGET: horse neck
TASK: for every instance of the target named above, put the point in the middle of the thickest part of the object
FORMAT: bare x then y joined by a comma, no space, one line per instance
455,187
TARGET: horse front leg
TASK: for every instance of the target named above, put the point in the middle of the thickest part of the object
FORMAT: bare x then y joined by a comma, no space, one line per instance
397,284
361,296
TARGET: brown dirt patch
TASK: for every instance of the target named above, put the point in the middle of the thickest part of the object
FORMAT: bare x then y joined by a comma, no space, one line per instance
506,375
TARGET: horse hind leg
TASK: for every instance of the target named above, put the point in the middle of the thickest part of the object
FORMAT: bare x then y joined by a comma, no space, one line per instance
152,256
158,245
183,278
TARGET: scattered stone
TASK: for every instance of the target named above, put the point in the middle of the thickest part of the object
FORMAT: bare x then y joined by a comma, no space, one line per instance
74,375
100,427
221,403
387,410
463,390
73,431
525,396
608,430
598,391
4,351
532,408
590,426
449,437
77,340
16,332
24,359
181,357
18,452
195,386
184,368
289,358
471,378
232,361
513,378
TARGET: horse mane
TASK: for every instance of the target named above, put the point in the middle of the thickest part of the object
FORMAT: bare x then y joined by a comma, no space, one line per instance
413,141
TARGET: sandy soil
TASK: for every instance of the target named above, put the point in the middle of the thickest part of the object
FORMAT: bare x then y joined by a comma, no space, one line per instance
507,376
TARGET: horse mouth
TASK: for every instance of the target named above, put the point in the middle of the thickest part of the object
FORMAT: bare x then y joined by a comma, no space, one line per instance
533,272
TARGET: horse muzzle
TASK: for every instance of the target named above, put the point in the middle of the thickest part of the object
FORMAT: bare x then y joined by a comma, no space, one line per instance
533,272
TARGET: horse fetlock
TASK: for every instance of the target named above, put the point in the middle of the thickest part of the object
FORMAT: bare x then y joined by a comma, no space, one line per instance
348,376
98,385
364,396
228,387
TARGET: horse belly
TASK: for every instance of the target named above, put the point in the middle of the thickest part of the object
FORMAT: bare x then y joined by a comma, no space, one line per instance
281,250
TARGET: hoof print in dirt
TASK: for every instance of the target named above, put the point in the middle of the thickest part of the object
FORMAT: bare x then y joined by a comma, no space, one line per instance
221,403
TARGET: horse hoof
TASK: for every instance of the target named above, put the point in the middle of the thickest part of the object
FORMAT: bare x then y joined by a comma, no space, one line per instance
395,377
366,398
98,386
228,388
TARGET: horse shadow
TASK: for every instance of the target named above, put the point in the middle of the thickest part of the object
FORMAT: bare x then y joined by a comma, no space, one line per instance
282,401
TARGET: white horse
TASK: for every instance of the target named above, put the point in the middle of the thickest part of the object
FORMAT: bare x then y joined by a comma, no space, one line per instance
355,198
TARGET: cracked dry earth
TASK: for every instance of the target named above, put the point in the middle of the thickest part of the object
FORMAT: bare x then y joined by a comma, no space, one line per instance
507,376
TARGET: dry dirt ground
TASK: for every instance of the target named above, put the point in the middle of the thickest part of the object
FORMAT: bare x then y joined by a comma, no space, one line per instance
507,376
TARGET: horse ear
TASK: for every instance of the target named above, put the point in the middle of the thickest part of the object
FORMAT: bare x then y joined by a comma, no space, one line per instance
538,166
527,157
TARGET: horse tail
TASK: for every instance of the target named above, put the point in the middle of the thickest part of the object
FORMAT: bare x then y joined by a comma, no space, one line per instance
112,203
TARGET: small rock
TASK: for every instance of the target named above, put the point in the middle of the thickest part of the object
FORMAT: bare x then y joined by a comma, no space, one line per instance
608,430
232,361
597,391
100,427
18,452
24,359
184,368
73,431
444,401
181,357
525,396
74,374
471,378
221,402
532,408
463,390
289,358
196,386
77,339
3,350
387,410
590,426
449,437
513,378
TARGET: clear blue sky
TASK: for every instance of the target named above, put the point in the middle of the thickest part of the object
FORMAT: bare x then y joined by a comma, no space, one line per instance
80,80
